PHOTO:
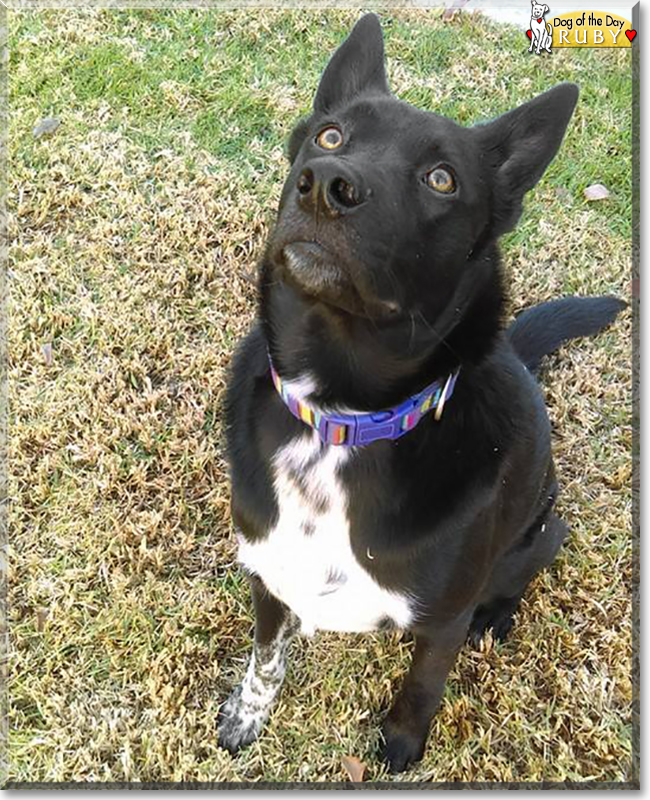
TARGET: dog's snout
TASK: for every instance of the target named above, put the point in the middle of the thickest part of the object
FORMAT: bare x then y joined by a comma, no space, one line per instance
329,189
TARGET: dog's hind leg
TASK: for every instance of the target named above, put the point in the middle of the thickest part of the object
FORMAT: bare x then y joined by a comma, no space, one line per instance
512,575
244,713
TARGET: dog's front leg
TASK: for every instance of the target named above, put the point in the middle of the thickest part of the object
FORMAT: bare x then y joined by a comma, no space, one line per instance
244,713
407,725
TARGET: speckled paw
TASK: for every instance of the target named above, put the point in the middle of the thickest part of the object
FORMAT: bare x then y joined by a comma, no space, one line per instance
239,723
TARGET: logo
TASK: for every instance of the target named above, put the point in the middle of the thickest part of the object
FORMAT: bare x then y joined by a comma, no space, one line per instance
577,29
540,33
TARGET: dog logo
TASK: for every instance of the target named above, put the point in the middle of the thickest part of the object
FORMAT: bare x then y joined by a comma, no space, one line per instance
540,33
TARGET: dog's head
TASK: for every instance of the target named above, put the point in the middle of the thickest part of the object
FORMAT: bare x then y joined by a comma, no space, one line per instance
538,9
388,209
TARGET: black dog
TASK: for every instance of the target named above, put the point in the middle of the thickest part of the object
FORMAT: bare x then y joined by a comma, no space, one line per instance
388,443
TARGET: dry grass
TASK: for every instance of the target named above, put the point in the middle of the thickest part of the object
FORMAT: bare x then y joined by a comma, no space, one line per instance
134,234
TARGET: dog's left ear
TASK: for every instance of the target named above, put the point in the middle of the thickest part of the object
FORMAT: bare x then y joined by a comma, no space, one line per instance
356,67
520,144
546,9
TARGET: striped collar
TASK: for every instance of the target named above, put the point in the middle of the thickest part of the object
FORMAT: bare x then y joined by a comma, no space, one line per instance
356,430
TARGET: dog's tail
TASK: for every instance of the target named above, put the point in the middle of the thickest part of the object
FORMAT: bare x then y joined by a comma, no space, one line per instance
540,330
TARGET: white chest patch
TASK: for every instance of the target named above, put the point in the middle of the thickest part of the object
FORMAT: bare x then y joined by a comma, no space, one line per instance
306,560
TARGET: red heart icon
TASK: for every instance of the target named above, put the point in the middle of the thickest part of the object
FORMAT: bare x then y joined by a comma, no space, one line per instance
540,19
529,34
630,34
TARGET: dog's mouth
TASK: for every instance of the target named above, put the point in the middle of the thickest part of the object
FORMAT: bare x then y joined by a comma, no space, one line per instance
314,268
318,273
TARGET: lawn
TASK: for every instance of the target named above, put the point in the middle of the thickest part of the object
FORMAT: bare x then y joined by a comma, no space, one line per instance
134,234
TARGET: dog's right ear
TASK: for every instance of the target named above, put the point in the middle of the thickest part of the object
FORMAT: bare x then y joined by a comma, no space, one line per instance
356,67
297,137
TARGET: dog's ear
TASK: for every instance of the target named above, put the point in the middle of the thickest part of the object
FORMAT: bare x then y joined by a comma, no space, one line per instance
356,67
297,138
519,145
546,9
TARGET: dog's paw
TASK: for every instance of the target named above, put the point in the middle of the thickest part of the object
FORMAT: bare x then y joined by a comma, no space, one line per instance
498,616
239,723
401,748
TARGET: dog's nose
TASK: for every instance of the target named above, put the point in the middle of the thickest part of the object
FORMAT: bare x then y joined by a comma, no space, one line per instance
329,188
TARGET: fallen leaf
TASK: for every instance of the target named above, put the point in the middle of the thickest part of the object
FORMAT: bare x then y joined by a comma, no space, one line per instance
354,768
451,10
41,616
45,126
46,349
596,192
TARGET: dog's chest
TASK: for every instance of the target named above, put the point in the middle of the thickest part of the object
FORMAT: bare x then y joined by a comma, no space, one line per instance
307,560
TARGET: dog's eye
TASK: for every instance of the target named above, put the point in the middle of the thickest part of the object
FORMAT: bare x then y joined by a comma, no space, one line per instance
330,138
441,180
